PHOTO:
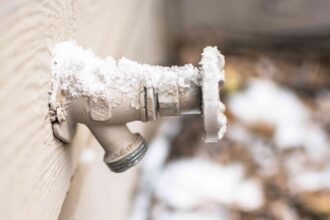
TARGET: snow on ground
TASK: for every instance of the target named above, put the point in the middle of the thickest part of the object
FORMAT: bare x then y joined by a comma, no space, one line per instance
264,101
152,167
197,188
190,183
311,180
262,153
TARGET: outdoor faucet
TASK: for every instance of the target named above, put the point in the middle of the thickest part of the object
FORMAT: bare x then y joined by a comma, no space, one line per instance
106,94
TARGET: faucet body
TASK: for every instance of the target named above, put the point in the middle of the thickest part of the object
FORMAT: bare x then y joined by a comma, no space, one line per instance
116,93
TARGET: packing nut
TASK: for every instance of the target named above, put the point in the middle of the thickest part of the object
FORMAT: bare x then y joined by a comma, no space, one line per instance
148,104
168,103
151,104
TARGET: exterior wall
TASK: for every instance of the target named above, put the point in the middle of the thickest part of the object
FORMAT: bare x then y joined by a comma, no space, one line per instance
35,168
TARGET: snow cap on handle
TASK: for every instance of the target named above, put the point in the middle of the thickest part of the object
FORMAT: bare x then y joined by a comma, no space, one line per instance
213,77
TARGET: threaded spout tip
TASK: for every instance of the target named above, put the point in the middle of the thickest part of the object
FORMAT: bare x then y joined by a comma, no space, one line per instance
130,160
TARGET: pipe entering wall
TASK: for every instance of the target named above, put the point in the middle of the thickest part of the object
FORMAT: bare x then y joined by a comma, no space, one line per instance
106,94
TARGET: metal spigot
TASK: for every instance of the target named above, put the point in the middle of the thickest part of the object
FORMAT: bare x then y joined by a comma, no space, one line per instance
119,92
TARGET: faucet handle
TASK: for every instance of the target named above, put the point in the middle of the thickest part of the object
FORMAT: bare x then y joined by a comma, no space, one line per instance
213,77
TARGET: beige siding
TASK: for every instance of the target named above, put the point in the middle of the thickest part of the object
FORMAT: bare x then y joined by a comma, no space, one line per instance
36,169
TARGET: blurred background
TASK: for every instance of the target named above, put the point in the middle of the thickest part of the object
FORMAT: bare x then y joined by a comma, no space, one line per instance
273,163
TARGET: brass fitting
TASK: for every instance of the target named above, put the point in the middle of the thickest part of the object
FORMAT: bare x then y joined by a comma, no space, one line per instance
130,92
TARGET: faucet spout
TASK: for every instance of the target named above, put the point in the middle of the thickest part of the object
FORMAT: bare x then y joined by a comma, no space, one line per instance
122,148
